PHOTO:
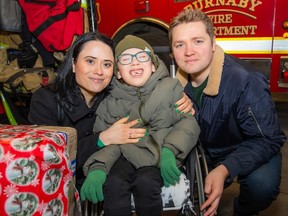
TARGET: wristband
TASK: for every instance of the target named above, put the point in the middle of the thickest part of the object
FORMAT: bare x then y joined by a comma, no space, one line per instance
100,143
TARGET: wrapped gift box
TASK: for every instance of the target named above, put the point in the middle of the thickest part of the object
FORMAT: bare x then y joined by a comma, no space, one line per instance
37,166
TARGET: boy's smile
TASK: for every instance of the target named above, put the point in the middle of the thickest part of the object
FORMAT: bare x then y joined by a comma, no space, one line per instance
136,73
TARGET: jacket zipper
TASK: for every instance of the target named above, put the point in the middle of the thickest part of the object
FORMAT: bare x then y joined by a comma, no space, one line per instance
147,123
199,107
138,93
250,113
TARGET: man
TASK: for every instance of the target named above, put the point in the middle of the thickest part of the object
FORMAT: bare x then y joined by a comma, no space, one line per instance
239,127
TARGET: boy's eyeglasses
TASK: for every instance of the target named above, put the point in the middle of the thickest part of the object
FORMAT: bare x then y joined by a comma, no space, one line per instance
142,56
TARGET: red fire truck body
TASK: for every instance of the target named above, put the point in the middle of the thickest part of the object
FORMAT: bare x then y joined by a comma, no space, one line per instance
255,30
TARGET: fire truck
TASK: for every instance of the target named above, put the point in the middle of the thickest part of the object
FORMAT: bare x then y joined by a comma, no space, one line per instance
254,30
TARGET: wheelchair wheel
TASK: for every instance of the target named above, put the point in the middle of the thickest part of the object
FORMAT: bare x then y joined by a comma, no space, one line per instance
90,209
201,171
186,212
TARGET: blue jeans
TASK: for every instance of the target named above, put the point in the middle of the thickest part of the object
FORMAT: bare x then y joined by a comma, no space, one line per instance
259,188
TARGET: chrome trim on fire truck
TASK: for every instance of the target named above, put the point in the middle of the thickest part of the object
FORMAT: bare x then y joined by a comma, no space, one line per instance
255,45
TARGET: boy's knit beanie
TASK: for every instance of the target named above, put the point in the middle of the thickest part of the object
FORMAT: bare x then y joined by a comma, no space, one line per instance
131,41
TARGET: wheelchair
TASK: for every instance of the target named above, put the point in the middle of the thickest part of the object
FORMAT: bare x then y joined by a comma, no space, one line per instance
195,169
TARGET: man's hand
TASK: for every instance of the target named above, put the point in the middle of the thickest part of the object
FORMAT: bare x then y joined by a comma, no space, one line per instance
214,185
185,105
92,189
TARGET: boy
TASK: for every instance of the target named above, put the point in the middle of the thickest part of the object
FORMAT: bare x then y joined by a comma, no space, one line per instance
145,91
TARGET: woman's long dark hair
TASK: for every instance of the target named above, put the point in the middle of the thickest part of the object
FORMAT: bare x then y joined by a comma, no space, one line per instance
65,84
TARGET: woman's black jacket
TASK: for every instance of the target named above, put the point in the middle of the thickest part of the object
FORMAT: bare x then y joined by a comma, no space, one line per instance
44,111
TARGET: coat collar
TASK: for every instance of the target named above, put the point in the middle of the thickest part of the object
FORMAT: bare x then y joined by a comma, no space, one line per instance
214,78
80,108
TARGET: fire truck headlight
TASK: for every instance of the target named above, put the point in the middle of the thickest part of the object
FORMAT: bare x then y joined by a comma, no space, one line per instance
285,24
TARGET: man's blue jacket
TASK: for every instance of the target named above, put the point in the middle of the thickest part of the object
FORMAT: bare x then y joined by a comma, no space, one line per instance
237,117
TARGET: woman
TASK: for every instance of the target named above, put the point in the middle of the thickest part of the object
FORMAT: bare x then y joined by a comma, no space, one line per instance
78,90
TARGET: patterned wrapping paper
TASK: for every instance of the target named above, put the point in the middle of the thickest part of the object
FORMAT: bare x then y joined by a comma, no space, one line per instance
36,173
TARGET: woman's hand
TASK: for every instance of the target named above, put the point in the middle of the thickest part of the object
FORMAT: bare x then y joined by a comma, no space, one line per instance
122,132
185,105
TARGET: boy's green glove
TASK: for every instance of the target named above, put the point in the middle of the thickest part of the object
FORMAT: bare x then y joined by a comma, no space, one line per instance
169,170
92,188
